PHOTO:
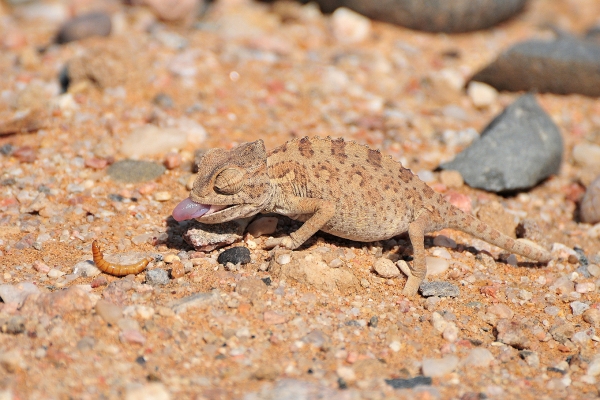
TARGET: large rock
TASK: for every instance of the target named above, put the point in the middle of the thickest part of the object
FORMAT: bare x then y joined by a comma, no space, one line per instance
449,16
518,149
562,66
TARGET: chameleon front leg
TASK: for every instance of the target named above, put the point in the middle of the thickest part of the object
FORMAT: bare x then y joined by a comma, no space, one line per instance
418,270
321,210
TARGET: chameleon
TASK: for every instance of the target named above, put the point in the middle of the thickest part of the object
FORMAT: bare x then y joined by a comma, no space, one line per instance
343,188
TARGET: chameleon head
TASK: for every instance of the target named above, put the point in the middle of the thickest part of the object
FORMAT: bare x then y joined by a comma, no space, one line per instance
229,185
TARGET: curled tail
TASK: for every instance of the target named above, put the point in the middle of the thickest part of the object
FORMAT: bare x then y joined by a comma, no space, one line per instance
467,223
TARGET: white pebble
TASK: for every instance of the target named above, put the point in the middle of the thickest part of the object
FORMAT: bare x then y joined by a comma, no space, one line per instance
438,322
585,287
587,154
386,268
395,346
481,94
349,26
442,253
436,367
54,273
436,266
479,357
284,259
162,196
450,332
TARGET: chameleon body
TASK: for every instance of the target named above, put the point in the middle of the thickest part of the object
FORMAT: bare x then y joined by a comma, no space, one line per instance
342,188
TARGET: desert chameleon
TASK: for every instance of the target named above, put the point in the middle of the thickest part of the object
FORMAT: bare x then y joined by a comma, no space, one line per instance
342,188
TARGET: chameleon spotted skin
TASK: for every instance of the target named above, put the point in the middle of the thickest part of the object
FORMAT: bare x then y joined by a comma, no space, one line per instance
342,188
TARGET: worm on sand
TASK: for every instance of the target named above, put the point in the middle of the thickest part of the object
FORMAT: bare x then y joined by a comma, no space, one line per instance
116,269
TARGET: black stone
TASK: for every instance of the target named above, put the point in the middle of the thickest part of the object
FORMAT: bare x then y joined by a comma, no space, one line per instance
409,383
235,255
518,149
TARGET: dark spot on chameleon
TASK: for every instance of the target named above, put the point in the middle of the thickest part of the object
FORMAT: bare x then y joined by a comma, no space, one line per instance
305,148
374,158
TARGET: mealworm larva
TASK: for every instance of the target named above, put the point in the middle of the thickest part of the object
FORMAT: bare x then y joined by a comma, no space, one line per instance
116,269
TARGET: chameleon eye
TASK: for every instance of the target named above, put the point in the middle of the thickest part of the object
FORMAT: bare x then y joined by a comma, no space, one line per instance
229,181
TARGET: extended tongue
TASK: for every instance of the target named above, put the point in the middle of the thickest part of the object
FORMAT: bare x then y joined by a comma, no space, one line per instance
187,209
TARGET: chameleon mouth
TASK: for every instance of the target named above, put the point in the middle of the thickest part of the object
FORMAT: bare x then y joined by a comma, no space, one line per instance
189,209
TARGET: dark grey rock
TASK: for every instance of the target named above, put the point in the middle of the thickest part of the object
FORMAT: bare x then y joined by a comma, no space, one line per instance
518,149
409,383
449,16
134,171
439,288
157,277
235,255
565,65
84,26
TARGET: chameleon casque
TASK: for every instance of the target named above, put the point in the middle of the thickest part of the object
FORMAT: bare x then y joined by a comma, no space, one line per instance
342,188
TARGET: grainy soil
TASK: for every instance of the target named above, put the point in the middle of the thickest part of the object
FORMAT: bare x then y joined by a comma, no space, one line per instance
261,331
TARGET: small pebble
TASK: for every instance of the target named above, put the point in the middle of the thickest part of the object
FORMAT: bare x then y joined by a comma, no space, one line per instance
501,311
481,94
171,258
349,26
578,307
436,266
386,268
284,259
132,336
55,273
96,163
437,367
162,196
594,367
84,26
40,266
157,277
177,270
234,255
25,154
592,316
444,241
410,383
172,160
585,287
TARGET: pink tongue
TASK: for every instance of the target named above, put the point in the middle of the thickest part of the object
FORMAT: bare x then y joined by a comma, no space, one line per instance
187,209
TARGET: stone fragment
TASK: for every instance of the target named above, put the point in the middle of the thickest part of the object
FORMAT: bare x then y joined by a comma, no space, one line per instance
84,26
386,268
439,289
207,237
589,211
546,66
182,11
436,265
26,121
135,171
512,333
562,332
435,15
59,302
592,317
235,255
578,307
150,140
398,383
437,367
157,277
518,149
